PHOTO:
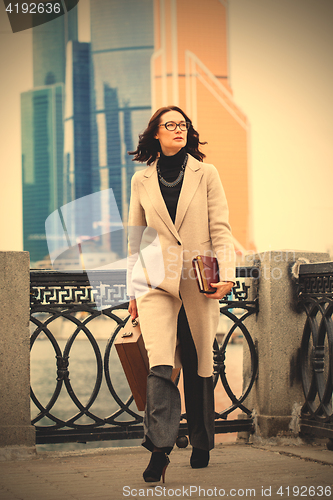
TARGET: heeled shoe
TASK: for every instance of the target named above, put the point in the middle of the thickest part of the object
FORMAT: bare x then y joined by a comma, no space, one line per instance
158,463
199,458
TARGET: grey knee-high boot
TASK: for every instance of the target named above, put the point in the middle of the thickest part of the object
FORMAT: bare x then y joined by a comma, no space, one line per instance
162,413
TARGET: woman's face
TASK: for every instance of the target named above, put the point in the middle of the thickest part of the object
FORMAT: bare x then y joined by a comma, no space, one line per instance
171,141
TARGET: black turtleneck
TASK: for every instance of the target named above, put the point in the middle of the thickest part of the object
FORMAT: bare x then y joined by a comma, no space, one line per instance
170,167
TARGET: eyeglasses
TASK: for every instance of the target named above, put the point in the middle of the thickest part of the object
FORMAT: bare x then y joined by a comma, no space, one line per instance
171,126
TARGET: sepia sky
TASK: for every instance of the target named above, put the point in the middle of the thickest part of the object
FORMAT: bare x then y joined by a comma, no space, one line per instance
281,69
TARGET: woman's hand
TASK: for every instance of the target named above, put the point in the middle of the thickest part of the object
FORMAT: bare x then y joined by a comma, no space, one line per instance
222,289
132,309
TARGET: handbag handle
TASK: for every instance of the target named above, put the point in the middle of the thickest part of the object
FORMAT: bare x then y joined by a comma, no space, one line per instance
129,333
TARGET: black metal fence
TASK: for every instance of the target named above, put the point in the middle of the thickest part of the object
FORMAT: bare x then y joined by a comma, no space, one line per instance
315,294
65,407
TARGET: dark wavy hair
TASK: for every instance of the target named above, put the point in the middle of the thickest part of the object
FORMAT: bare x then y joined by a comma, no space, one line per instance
149,147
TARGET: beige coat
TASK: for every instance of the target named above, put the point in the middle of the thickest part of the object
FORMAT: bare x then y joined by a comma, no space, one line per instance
201,228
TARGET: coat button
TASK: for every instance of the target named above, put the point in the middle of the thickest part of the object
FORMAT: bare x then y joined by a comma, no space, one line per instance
179,243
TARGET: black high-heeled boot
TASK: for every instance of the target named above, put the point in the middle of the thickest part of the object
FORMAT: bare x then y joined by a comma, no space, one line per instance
159,461
199,458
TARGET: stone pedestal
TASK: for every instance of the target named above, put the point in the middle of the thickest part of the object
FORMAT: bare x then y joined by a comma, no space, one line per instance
277,332
15,427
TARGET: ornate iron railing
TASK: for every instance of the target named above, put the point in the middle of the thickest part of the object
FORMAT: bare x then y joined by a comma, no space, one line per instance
315,294
67,301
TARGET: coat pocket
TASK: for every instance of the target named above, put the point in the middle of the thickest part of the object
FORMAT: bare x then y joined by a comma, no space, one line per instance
206,248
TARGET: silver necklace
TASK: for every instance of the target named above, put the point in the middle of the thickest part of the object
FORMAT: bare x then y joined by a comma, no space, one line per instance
179,178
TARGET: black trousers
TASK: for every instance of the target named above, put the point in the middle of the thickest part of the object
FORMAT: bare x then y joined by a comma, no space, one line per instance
163,408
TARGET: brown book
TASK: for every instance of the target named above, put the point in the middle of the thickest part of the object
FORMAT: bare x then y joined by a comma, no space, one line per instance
207,271
134,359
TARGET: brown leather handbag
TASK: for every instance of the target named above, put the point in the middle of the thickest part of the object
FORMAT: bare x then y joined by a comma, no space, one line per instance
133,357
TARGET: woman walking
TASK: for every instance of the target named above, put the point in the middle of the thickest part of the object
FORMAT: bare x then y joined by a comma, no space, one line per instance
181,200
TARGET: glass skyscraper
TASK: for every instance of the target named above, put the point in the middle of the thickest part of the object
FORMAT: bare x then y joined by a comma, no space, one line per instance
45,186
78,176
49,42
122,43
42,163
77,157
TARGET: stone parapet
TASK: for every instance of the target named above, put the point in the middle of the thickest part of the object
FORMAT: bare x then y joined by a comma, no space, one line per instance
15,425
277,332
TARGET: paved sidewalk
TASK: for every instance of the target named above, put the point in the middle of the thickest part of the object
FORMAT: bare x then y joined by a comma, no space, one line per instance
235,470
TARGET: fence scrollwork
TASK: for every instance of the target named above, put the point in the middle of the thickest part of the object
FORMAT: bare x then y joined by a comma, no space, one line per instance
68,298
315,295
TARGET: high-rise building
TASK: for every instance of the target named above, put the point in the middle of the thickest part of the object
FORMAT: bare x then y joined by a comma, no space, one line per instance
77,152
49,42
50,177
122,43
42,163
190,68
78,177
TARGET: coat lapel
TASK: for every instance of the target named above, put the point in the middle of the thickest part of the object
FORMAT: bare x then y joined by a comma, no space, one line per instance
192,177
